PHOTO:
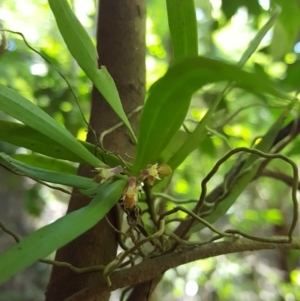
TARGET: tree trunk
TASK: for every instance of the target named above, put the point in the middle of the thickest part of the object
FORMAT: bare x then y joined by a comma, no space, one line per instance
121,48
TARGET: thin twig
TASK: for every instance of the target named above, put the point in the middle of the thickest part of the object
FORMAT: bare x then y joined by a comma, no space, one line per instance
9,232
179,240
94,268
261,239
172,199
114,228
196,217
217,166
57,70
112,266
175,219
113,128
18,173
234,114
278,175
135,241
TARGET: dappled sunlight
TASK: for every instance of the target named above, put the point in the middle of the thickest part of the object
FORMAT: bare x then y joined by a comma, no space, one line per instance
223,124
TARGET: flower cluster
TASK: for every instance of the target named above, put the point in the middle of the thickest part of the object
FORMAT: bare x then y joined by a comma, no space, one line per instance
150,174
130,195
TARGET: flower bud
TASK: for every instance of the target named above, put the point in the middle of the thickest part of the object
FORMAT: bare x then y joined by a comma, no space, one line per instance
164,170
152,172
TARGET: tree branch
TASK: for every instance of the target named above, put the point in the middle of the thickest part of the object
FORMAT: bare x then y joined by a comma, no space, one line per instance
280,176
290,131
156,266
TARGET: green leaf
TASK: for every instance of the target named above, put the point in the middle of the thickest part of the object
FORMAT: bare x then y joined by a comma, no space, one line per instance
230,7
52,237
291,78
206,147
200,131
183,28
74,35
25,136
107,87
169,100
44,162
179,138
286,28
22,109
46,175
84,52
259,36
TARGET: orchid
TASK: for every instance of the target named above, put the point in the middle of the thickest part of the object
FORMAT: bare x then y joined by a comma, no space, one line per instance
107,173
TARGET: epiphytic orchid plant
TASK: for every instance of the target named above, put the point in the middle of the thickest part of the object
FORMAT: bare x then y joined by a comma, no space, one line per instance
115,179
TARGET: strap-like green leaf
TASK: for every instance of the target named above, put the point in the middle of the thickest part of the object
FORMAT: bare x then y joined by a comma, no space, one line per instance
199,133
22,109
286,29
169,100
183,28
25,136
47,163
47,175
259,36
74,34
84,52
52,237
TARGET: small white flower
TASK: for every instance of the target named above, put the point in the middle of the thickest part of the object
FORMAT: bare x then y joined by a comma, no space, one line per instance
107,173
130,196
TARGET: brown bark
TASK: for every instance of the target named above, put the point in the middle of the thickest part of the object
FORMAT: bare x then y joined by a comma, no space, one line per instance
149,269
121,48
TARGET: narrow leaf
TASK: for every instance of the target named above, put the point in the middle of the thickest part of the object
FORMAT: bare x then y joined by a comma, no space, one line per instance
169,100
259,36
183,28
22,109
44,162
46,175
27,137
285,33
74,35
107,87
200,131
52,237
84,52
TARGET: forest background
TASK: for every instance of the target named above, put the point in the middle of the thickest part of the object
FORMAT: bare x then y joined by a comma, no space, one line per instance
225,28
